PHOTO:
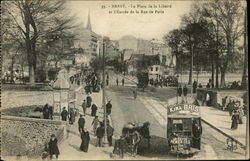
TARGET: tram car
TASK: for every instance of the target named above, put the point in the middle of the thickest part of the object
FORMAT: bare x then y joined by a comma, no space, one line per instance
184,129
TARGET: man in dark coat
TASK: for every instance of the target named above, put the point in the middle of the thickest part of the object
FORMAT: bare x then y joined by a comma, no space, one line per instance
195,86
144,131
81,123
53,148
51,112
85,140
99,135
71,116
197,131
108,108
93,110
110,131
46,111
89,101
64,114
122,81
185,90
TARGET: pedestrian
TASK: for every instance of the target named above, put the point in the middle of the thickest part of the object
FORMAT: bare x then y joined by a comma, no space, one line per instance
121,146
85,140
93,110
71,116
107,82
81,123
108,107
179,92
64,114
185,90
144,131
53,148
195,86
99,135
51,112
95,123
200,86
208,99
110,132
84,107
122,81
46,111
117,81
89,101
230,106
197,131
208,85
235,119
135,93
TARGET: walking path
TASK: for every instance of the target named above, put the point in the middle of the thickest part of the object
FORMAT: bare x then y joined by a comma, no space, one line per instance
222,121
72,143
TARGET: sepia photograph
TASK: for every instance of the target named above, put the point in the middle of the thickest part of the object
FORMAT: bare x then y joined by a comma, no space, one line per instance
124,80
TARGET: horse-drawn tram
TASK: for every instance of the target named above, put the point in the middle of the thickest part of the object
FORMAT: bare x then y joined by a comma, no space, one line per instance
184,129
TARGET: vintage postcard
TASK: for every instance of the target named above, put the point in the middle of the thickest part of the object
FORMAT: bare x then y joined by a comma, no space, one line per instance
124,80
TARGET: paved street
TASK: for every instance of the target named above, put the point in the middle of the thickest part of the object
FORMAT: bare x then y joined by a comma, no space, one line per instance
145,108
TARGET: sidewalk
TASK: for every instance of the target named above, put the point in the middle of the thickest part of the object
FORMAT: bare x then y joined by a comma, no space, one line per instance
220,120
69,148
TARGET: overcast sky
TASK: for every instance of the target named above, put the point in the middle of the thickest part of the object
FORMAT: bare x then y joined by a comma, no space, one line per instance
146,26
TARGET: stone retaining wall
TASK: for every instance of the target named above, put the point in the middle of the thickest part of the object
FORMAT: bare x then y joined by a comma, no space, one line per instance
27,136
216,96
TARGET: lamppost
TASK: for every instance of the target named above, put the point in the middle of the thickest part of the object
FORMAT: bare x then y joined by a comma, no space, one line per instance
105,140
192,64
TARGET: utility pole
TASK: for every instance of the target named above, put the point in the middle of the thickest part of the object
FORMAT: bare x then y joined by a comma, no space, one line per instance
105,140
192,63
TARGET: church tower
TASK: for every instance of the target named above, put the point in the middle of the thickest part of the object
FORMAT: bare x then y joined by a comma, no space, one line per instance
89,23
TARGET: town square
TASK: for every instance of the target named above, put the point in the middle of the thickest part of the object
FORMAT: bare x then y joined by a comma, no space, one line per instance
125,80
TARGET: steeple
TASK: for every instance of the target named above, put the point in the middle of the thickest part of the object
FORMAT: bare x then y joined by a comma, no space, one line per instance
89,23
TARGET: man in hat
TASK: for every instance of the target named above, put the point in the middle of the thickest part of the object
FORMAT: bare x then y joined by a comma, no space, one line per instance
122,81
108,107
84,107
81,123
110,131
64,114
117,82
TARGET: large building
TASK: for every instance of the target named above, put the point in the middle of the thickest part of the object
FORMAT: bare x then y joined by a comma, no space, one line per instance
88,40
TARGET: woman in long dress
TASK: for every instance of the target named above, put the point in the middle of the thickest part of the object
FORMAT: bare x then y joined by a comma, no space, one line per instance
85,140
53,148
235,119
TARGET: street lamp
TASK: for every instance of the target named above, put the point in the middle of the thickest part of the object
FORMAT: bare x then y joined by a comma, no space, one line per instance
192,64
105,140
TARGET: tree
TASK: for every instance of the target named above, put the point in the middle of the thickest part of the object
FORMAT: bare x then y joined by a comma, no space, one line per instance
196,40
174,39
244,75
228,15
33,19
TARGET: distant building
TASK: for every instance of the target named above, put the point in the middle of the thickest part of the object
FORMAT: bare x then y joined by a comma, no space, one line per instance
88,39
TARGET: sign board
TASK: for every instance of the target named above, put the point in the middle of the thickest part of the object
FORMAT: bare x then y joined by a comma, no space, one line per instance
57,108
180,141
184,109
57,96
